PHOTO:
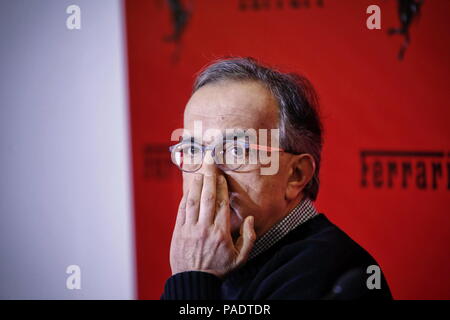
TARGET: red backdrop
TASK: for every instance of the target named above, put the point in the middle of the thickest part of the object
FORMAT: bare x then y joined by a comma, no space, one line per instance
385,175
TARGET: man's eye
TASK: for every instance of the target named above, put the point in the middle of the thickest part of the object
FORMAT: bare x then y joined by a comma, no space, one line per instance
236,151
191,150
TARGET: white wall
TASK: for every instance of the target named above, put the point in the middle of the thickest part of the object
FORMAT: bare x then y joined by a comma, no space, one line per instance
65,195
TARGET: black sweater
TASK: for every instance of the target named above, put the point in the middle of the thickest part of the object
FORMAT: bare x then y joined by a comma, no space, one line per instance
316,260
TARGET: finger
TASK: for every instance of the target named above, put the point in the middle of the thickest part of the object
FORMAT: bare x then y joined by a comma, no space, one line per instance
181,215
193,199
245,242
222,218
208,199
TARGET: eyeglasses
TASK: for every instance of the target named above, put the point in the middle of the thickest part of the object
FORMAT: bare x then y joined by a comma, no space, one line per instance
229,155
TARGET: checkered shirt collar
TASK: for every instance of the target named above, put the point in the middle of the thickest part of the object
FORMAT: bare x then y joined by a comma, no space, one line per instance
304,211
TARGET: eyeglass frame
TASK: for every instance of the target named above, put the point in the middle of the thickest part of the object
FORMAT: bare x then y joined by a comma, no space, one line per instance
213,148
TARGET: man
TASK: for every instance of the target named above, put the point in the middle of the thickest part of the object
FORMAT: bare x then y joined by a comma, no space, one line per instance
242,233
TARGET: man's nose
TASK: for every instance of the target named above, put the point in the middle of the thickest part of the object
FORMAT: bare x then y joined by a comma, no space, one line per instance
209,167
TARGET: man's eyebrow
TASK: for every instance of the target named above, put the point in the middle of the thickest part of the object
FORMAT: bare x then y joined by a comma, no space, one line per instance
237,134
189,139
227,134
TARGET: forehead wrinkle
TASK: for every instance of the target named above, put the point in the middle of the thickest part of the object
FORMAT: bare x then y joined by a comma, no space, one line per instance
225,134
218,115
233,104
232,95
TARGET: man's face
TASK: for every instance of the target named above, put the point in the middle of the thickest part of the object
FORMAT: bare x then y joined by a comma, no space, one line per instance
241,105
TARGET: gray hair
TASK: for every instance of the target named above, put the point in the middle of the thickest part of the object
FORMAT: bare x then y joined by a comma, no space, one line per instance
301,129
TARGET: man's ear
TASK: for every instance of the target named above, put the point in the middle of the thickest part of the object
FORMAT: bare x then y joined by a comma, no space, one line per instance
302,171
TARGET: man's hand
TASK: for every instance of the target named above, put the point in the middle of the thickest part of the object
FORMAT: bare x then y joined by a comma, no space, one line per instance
202,239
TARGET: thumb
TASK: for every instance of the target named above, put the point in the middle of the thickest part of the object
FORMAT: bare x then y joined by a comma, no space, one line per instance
247,238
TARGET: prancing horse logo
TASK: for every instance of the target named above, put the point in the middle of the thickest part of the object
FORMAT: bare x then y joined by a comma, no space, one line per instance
408,10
